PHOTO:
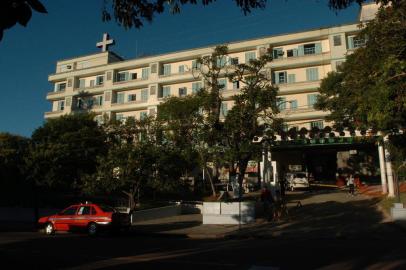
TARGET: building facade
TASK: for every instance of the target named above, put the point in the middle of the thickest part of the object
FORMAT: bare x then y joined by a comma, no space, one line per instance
122,88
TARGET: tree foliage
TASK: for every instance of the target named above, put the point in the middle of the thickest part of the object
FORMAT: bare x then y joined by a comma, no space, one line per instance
17,11
369,89
254,112
64,150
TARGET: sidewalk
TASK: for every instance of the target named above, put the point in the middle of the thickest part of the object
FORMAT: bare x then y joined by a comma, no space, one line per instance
323,214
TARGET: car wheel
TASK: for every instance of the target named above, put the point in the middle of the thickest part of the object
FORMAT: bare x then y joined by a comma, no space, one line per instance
92,229
49,229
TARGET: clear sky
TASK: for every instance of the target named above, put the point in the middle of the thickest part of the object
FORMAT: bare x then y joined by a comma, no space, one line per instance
72,28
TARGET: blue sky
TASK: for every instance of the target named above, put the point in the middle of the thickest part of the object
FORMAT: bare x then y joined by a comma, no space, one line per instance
72,28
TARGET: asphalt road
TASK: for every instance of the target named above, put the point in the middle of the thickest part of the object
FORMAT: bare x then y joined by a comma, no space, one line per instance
31,250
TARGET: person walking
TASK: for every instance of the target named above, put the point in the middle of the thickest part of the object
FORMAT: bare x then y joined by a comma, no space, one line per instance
350,184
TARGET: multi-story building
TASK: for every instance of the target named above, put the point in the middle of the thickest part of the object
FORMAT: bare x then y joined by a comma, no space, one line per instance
122,88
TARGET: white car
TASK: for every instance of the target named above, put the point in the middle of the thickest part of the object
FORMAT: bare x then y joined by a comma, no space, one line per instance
297,180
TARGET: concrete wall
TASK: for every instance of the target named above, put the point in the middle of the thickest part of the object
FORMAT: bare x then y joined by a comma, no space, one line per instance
228,213
156,213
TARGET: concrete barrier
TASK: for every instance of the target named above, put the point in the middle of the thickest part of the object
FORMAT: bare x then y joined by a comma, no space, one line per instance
228,213
156,213
398,212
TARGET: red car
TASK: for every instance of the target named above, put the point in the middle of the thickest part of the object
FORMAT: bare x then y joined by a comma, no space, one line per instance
88,216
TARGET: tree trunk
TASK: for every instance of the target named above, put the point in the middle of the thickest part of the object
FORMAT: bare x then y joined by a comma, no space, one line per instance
242,166
213,189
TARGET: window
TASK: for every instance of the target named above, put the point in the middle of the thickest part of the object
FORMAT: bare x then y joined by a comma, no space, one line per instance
195,64
278,53
196,86
236,84
355,42
234,60
282,103
165,91
312,74
280,77
132,97
182,91
120,98
311,100
143,115
291,78
99,80
144,95
167,70
120,117
84,210
98,100
337,40
82,83
69,211
133,76
122,76
249,56
222,84
318,124
145,73
221,61
291,53
61,105
223,109
293,104
181,69
358,42
80,103
60,87
309,49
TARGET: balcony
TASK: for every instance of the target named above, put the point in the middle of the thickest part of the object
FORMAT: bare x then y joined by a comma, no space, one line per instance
129,105
301,113
298,87
303,60
55,95
53,114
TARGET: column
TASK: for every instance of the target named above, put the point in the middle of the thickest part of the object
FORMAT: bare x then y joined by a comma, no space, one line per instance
389,171
382,167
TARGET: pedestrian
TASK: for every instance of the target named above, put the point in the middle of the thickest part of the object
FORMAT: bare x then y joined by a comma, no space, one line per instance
350,184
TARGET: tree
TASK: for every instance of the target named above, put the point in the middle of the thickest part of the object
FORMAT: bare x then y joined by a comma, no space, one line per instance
368,91
13,148
64,150
254,113
17,11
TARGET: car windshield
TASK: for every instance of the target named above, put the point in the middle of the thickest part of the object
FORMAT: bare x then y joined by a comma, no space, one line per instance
107,208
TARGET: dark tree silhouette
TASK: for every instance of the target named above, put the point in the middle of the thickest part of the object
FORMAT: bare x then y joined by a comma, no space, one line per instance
17,11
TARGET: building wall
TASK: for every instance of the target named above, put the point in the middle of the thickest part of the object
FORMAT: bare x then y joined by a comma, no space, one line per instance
297,112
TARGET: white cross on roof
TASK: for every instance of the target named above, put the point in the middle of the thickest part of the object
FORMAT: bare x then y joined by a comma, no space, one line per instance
105,42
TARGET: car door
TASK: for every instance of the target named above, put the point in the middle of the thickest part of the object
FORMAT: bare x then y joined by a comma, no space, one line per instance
63,221
83,216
